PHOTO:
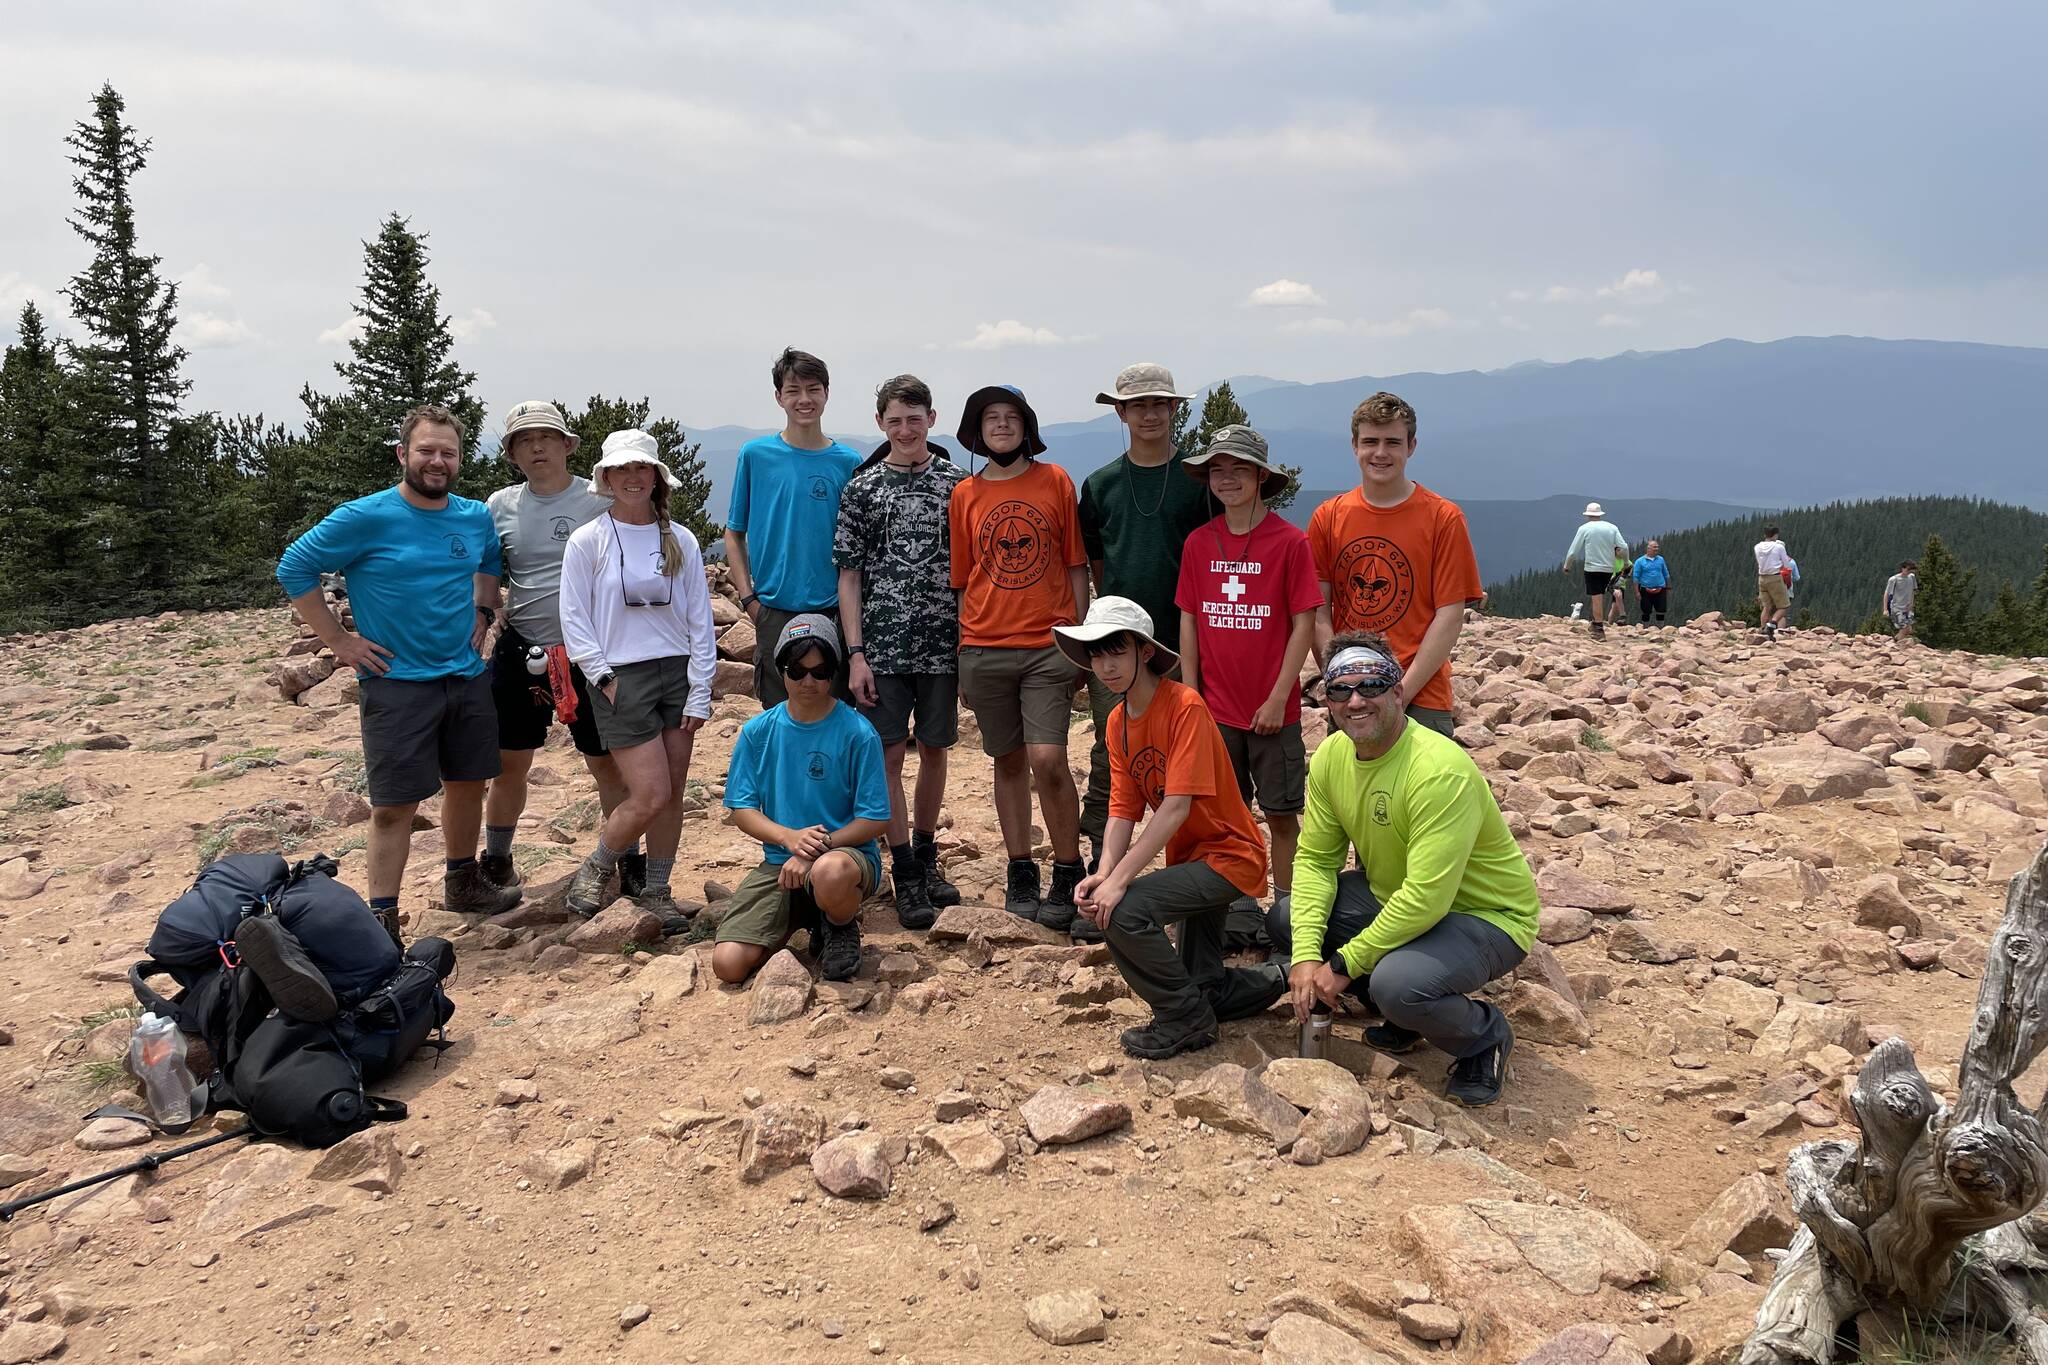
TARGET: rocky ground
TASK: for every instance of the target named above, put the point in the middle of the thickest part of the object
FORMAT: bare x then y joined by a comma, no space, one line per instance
1755,861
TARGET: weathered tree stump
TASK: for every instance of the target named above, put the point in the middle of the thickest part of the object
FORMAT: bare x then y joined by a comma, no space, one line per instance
1935,1210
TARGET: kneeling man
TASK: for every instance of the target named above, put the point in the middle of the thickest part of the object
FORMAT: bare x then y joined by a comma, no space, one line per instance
806,780
1166,755
1445,903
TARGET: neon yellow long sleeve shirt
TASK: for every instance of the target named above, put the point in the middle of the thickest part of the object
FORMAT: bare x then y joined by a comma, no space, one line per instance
1432,839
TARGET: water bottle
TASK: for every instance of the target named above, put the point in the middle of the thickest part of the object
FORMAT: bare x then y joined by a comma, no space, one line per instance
1315,1031
536,660
156,1054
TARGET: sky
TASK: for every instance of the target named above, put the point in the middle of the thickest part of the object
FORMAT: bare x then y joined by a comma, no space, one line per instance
641,198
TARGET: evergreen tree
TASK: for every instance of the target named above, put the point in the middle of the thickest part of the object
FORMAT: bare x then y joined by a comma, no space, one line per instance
37,504
125,391
2037,602
602,416
2008,628
1944,607
401,359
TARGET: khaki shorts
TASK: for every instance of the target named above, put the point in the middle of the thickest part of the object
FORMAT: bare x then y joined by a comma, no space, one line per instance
1018,696
1273,768
761,913
652,695
1772,593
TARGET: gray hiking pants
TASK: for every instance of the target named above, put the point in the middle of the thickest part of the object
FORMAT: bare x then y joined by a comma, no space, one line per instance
1185,981
1421,986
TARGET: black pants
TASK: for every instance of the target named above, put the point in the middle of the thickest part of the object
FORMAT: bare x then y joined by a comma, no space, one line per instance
1192,979
1650,602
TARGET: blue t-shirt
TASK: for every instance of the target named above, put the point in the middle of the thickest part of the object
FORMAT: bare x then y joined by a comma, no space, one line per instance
409,573
1652,573
826,773
785,501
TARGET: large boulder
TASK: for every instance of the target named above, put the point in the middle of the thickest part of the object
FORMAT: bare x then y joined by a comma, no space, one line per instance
781,991
1791,713
776,1137
1061,1114
1798,774
853,1166
1751,1216
1561,884
1229,1097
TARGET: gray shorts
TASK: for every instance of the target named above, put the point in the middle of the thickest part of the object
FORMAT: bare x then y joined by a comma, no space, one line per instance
418,734
1273,769
933,698
651,697
1019,696
1443,722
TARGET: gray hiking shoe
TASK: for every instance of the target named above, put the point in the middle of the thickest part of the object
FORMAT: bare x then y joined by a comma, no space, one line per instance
467,891
662,905
280,962
586,894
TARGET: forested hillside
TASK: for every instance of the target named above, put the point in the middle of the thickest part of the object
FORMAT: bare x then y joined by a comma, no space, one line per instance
1845,551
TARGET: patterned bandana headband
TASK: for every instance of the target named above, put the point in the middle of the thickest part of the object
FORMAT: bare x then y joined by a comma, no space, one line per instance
1361,665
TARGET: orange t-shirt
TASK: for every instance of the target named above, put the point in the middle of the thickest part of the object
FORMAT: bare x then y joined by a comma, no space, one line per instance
1389,569
1013,541
1175,749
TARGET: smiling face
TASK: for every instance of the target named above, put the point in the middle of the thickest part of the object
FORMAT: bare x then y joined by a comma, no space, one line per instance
801,400
907,426
1235,482
431,460
1002,428
1149,419
1382,449
632,486
1371,722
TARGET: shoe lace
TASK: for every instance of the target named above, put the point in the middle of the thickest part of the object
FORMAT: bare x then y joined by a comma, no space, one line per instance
1478,1067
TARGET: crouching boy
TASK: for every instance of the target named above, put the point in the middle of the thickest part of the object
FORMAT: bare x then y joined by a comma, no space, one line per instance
1166,756
806,780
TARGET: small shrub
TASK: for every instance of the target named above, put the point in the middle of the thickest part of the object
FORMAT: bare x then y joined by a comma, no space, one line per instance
1595,741
1913,710
42,801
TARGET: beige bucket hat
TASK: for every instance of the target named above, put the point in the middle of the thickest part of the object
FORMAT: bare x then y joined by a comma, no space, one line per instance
535,415
1143,380
1107,616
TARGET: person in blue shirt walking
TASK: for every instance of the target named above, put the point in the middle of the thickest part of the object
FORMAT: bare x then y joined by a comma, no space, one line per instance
1653,584
785,509
807,780
422,567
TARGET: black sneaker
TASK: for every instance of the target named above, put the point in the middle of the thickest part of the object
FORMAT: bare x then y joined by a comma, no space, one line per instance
1476,1080
586,895
1162,1038
1057,913
499,869
633,875
839,959
1391,1038
467,891
1599,630
938,890
296,986
1021,897
914,907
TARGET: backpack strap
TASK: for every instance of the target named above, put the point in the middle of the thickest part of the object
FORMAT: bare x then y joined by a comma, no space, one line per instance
382,1110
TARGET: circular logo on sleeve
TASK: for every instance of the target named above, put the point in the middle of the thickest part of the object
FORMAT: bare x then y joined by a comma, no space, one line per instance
1014,544
1372,586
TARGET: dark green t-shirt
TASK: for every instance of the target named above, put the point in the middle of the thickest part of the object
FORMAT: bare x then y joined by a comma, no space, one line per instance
1136,521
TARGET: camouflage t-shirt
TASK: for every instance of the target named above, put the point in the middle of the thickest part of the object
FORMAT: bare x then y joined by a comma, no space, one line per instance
892,527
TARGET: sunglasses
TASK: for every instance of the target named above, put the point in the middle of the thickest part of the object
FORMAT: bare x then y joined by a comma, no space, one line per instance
1343,691
797,672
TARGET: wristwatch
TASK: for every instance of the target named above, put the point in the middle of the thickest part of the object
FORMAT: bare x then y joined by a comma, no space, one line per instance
852,650
598,684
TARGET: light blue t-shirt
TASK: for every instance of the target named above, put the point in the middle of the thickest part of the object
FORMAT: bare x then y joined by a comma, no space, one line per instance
786,502
410,577
1596,546
1652,573
828,773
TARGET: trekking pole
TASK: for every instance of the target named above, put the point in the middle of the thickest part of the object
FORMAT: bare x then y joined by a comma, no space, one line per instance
148,1163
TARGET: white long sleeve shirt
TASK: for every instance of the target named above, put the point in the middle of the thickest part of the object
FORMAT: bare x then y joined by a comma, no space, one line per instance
1771,557
609,562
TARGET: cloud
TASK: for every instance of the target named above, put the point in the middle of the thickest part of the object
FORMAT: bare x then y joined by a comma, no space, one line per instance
1637,286
994,336
15,290
1513,323
1616,320
1559,293
472,324
198,283
203,331
1284,293
342,333
1415,320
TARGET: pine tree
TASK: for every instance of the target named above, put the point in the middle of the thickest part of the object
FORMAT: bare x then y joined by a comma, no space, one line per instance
126,391
2008,628
2037,602
33,472
1944,606
401,359
602,416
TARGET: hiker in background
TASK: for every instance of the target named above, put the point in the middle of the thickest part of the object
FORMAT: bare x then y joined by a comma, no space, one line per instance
1248,600
422,567
1653,584
1020,569
636,615
785,505
1394,557
534,519
806,780
1617,588
1773,582
1136,514
1444,903
1898,598
902,627
1169,768
1594,550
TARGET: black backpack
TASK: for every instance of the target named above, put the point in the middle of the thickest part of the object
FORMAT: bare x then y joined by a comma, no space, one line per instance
332,923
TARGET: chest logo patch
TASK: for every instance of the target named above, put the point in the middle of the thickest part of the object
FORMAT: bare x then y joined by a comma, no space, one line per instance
1373,583
815,768
562,527
1015,545
458,548
1379,808
1148,770
820,489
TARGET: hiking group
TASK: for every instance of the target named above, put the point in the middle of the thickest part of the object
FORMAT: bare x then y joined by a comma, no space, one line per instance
888,590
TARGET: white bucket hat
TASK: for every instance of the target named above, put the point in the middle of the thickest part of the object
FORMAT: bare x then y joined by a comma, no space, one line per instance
624,448
1594,509
1143,380
1107,616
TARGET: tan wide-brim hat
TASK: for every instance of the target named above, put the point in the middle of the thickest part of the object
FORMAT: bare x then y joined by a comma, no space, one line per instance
1594,509
1240,443
1143,380
624,448
535,415
1107,616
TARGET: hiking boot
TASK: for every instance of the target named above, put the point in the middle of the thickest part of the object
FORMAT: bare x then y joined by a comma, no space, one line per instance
1771,630
586,895
1083,929
914,908
1599,630
663,907
1057,912
1392,1038
498,868
389,920
1163,1038
632,875
1021,897
467,891
839,959
280,962
941,892
1477,1080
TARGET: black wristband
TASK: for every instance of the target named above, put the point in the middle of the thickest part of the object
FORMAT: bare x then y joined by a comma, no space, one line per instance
750,599
852,650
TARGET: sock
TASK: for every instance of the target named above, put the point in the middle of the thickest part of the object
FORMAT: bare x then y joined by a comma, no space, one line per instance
384,906
659,870
604,857
498,839
902,858
457,864
633,847
924,840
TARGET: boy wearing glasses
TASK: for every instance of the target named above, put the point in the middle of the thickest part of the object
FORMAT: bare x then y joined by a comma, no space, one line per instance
1445,903
806,780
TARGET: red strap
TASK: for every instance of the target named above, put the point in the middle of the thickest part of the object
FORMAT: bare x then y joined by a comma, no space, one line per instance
560,684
